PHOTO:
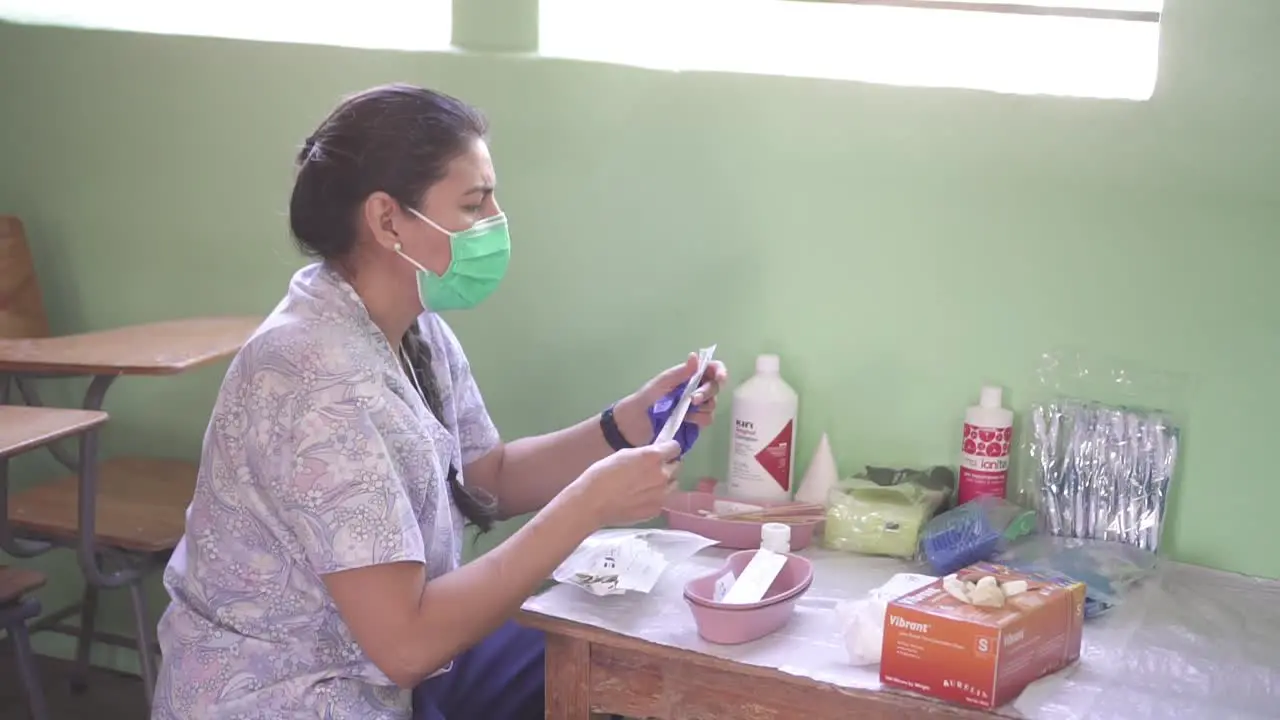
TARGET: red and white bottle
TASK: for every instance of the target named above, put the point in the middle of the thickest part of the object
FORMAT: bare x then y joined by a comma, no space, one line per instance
762,449
984,457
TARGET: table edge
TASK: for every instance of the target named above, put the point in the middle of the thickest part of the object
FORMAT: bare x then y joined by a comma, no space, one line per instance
592,634
91,420
68,369
82,369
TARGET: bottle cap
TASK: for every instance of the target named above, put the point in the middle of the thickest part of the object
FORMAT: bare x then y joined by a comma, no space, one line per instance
768,364
991,397
775,537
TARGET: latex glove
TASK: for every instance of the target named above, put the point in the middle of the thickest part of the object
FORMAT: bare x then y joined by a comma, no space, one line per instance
687,434
863,629
862,620
638,414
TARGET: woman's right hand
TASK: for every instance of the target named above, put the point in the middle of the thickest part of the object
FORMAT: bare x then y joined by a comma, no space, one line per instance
630,486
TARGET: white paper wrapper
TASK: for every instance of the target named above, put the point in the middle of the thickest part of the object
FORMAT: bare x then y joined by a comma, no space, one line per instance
613,562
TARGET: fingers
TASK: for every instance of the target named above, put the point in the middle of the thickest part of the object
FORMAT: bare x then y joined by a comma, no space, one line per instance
714,377
670,378
677,374
703,415
717,373
672,472
666,452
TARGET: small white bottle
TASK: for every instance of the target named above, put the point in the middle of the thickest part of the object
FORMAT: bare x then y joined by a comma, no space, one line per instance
984,456
762,446
775,537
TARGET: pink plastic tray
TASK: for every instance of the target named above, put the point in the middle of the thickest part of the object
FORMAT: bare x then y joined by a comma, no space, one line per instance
734,624
684,512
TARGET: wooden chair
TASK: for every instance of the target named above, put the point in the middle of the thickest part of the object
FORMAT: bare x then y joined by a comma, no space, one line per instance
16,608
133,515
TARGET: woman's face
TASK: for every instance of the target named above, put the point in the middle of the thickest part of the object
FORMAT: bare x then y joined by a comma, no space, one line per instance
462,198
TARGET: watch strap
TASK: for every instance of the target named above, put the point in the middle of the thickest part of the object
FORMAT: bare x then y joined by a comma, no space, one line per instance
612,433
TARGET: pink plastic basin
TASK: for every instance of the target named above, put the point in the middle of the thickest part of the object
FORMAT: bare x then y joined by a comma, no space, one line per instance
684,512
734,624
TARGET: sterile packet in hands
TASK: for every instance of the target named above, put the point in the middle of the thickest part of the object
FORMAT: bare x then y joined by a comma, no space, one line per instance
668,414
612,562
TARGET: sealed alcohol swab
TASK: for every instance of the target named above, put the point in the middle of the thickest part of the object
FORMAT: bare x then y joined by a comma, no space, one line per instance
682,407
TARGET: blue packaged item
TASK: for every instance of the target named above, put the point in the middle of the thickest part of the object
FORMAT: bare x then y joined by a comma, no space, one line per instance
661,411
973,532
1107,569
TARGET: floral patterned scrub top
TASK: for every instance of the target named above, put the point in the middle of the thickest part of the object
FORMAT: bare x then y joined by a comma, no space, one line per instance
320,457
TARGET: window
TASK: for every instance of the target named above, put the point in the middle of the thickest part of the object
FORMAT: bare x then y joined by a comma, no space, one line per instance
418,25
1087,48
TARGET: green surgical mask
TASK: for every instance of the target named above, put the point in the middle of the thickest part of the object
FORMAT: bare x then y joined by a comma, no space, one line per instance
480,258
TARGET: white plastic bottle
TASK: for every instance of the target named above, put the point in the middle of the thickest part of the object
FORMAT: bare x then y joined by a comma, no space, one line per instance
984,458
762,447
775,537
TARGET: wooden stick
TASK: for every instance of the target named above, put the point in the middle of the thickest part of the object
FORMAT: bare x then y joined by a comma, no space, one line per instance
789,510
785,519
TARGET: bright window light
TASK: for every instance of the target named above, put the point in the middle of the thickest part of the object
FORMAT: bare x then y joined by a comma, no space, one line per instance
377,24
1031,54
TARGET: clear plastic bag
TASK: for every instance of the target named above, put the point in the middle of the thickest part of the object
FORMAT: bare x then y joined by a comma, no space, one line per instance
1107,569
862,620
882,511
1098,462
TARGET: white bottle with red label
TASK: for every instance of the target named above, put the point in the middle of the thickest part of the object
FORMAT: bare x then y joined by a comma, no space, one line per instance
984,457
762,447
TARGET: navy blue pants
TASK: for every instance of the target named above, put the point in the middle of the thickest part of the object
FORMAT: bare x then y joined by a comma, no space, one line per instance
502,678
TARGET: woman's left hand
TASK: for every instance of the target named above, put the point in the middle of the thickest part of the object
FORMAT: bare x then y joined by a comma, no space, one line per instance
632,412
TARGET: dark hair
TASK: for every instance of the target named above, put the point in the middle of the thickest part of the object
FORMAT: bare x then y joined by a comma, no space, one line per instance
398,139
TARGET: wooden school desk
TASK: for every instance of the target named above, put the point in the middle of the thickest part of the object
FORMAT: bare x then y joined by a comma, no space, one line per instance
121,516
23,429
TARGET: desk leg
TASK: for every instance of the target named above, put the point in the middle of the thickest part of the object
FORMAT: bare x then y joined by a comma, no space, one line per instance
569,679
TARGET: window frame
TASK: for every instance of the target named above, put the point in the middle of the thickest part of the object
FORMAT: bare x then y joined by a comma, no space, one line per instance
472,30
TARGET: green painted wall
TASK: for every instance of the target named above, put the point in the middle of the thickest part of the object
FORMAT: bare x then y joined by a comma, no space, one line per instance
898,247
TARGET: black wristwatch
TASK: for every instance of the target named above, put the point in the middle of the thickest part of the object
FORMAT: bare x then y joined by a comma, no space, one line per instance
612,433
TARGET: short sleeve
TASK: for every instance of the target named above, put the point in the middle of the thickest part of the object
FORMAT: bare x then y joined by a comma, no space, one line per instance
477,434
343,499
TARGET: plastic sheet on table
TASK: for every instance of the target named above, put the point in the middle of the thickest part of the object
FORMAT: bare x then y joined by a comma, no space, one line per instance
1187,644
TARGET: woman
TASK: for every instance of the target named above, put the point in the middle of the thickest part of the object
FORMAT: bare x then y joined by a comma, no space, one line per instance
320,574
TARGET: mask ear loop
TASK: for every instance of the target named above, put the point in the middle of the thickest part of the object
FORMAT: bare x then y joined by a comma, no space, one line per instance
399,250
431,222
